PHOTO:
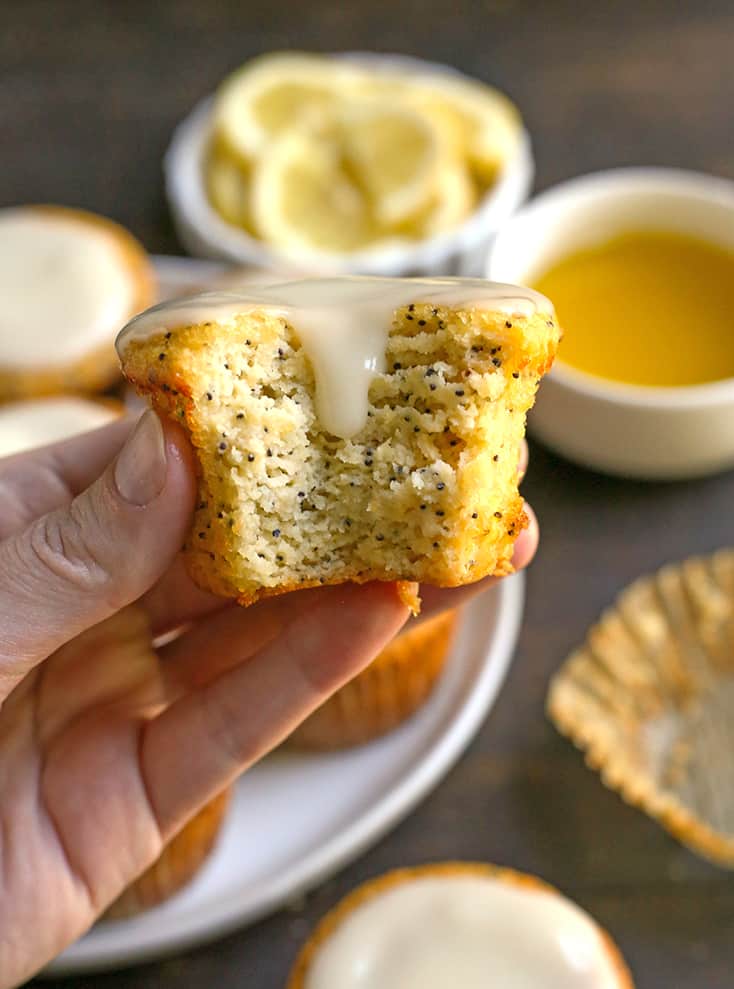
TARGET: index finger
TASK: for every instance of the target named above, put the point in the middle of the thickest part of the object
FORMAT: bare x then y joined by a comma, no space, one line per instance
208,736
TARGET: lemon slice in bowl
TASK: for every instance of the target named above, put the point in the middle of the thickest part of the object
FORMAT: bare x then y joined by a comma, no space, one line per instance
395,154
346,184
227,186
475,120
454,198
273,93
479,121
303,199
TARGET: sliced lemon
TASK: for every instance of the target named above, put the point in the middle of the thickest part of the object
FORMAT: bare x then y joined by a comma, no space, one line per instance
273,93
303,198
476,117
395,154
318,154
228,188
396,89
454,199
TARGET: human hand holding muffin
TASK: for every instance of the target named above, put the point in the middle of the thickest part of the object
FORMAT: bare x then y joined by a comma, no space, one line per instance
110,745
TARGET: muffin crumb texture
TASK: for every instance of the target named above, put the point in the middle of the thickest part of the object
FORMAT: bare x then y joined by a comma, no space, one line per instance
426,491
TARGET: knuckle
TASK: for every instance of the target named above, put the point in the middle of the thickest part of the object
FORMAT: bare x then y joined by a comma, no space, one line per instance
304,643
63,545
235,746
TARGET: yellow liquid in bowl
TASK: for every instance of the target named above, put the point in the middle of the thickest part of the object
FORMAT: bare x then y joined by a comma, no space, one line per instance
646,308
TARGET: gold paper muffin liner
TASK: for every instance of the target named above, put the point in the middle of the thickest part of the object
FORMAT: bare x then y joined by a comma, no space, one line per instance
376,887
386,693
177,864
649,698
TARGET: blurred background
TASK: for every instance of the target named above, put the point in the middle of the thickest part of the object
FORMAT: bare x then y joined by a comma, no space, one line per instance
91,91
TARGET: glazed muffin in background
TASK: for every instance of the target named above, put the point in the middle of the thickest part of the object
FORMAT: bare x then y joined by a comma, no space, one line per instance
399,464
35,422
178,863
68,280
458,924
384,695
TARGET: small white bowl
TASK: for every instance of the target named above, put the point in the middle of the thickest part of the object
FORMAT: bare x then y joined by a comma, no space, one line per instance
654,433
462,251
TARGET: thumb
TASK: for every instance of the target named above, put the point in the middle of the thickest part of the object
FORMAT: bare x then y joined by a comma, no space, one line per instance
75,566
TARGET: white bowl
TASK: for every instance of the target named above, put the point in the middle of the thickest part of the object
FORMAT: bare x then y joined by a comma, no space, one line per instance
644,432
462,251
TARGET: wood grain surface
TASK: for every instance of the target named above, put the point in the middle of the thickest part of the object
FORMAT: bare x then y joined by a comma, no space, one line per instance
89,94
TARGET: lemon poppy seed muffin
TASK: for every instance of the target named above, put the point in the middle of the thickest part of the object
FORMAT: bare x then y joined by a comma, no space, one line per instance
349,429
68,280
386,693
177,865
466,924
37,422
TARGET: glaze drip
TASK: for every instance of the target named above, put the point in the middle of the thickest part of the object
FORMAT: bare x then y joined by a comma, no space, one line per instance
342,323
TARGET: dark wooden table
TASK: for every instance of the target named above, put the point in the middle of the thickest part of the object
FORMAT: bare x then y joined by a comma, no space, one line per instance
89,93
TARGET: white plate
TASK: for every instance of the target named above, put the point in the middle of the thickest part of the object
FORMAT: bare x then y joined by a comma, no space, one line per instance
296,819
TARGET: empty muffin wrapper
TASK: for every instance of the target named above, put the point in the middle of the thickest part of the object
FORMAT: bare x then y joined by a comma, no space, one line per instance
649,698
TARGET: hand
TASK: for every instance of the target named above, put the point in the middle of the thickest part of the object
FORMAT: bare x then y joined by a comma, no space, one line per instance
108,745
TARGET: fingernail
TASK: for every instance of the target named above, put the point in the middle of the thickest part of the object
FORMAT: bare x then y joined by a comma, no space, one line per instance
140,471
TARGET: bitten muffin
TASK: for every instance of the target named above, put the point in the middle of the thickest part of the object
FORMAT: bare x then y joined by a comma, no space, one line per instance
458,924
384,695
349,429
177,864
68,280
